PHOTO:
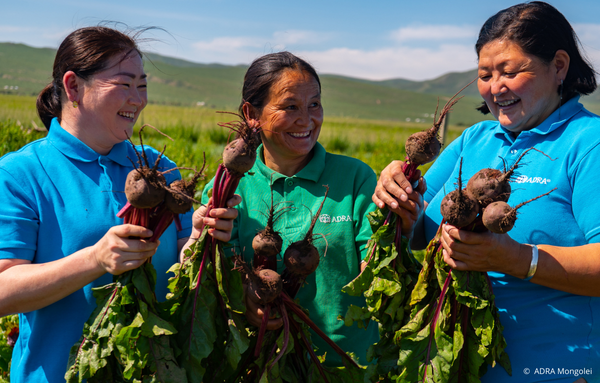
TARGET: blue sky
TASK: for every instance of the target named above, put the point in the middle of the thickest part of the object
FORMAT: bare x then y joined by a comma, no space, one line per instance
416,39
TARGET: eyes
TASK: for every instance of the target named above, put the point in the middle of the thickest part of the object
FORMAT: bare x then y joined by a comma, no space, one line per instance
128,85
312,105
488,76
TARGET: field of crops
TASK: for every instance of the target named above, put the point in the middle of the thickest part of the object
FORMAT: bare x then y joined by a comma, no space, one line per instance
196,132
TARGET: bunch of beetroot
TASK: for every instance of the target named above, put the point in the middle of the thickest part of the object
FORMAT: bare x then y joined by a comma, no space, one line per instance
206,300
286,353
392,271
454,331
150,201
127,338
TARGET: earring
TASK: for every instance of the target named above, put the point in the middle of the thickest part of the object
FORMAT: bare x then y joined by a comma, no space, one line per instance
560,94
561,90
75,104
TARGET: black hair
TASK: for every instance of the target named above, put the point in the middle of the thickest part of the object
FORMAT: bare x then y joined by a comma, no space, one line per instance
541,30
264,72
86,51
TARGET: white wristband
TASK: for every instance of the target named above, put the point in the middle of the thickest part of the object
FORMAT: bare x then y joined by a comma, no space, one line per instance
533,264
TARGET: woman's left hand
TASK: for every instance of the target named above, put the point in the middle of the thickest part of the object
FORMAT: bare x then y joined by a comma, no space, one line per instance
219,221
465,250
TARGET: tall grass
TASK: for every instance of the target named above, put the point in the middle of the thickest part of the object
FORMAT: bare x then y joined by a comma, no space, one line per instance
196,134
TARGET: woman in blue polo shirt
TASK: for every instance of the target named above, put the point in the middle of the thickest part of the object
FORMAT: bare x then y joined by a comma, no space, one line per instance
59,233
546,270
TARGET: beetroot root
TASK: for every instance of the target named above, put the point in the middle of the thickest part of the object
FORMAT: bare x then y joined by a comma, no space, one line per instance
145,188
301,258
264,286
498,217
238,156
459,208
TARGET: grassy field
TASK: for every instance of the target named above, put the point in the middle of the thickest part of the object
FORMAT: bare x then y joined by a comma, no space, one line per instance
196,132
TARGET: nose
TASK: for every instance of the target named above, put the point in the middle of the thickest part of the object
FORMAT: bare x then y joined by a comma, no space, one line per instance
303,118
497,86
138,98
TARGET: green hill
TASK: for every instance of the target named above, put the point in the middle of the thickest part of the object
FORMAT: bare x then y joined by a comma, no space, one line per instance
26,70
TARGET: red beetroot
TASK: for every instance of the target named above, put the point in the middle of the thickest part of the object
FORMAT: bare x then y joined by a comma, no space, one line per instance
145,188
267,244
491,185
301,258
499,217
458,207
424,147
264,286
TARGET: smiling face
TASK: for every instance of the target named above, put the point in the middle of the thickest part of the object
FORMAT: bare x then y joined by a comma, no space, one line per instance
112,100
519,89
291,120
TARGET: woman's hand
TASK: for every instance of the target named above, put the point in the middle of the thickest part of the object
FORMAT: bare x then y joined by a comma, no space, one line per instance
255,313
123,248
395,191
220,221
465,250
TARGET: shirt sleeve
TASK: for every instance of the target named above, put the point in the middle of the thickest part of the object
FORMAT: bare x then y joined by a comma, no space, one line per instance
19,221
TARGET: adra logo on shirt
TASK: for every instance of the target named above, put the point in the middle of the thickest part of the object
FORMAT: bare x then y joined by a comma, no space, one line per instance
523,179
326,218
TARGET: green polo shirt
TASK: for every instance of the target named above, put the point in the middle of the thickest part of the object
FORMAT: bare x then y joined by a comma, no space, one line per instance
342,233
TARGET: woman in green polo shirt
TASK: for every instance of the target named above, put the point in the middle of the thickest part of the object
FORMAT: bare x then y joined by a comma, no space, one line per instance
283,93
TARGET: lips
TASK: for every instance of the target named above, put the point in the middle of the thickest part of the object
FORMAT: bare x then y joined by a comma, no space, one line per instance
504,104
128,115
299,134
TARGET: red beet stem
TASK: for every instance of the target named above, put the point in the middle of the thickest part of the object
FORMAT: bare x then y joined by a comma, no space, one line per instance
311,352
262,330
286,333
290,304
435,318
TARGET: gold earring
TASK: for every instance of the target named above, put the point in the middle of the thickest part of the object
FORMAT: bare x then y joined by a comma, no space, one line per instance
75,104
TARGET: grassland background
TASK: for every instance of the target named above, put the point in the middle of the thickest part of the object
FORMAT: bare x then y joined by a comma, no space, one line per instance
196,132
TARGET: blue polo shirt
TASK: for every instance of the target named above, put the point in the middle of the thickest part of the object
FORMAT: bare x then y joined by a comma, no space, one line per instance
341,234
59,196
550,334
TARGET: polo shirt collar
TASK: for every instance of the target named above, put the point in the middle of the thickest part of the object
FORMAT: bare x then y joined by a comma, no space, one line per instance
74,148
558,118
312,171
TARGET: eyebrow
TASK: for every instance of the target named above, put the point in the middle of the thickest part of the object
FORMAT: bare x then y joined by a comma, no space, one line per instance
131,75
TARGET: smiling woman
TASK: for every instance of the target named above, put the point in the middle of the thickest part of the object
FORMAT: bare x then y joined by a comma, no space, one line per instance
282,93
59,232
531,76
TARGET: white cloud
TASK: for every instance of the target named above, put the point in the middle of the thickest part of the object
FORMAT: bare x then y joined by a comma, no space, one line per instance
226,44
298,37
13,29
397,62
435,33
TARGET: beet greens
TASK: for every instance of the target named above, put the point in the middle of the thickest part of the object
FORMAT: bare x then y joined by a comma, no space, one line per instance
206,300
127,337
391,270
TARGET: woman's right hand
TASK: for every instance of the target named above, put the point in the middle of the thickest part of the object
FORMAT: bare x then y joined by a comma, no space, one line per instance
255,313
124,248
395,191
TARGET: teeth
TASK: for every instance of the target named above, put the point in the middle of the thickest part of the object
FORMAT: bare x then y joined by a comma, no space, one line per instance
507,103
127,114
299,135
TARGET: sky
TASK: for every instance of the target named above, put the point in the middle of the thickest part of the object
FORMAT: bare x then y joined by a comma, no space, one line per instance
370,39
